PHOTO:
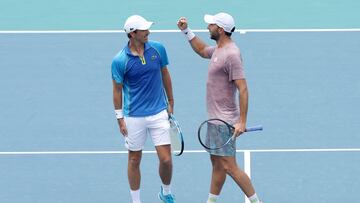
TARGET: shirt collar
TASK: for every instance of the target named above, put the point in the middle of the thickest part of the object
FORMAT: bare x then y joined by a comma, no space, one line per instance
127,48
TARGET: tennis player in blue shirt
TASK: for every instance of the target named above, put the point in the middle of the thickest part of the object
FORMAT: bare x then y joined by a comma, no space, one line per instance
143,98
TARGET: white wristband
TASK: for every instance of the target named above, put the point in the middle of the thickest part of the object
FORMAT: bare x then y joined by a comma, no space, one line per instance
119,113
188,33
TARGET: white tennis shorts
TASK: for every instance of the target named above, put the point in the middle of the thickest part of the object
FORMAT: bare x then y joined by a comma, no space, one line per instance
157,126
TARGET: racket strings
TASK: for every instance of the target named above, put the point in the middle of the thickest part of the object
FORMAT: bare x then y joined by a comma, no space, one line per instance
173,128
177,145
215,135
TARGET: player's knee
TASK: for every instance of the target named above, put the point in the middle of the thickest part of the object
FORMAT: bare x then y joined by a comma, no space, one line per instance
229,167
134,161
166,161
230,171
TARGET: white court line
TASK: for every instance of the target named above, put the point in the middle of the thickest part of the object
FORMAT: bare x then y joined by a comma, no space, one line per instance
186,151
241,31
247,163
247,154
305,150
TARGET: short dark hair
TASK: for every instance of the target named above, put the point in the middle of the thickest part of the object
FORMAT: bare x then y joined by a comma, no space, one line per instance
230,33
129,36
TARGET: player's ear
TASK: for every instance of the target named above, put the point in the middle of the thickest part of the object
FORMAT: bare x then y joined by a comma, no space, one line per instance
221,30
131,34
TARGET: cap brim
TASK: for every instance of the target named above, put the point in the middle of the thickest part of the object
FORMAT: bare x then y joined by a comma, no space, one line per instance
209,19
146,26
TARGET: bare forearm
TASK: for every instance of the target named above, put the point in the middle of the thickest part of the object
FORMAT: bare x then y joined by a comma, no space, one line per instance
198,46
117,95
243,99
117,99
243,103
168,87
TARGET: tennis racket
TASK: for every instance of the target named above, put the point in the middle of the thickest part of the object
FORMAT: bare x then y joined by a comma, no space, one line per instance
215,133
177,139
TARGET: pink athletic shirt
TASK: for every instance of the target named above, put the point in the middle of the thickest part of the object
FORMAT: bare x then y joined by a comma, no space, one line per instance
221,92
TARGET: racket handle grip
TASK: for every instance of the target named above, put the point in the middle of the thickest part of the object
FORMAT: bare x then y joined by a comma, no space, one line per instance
254,128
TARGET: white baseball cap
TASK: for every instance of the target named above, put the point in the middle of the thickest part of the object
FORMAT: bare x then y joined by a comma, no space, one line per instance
222,20
136,22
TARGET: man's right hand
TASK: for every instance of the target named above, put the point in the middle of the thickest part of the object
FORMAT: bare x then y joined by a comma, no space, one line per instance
182,23
122,125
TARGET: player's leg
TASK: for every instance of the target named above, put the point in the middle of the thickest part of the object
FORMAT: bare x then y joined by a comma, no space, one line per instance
158,126
165,163
218,177
134,175
240,177
165,172
134,142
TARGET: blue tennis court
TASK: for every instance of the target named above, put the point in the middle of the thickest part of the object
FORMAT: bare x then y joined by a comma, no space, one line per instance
60,141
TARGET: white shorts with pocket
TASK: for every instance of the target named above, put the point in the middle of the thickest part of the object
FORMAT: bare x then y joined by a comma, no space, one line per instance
157,126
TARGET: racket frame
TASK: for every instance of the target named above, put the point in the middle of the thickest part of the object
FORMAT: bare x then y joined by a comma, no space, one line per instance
180,134
231,129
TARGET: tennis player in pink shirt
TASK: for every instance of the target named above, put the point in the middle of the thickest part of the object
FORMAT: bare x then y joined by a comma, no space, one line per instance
225,78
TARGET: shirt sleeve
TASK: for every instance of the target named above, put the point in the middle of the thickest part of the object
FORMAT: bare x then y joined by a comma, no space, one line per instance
234,67
118,68
210,50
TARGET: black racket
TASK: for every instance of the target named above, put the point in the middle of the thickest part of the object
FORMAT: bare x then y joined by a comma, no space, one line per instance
221,133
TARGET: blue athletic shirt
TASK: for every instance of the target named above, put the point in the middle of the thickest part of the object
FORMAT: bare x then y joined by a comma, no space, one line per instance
141,78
